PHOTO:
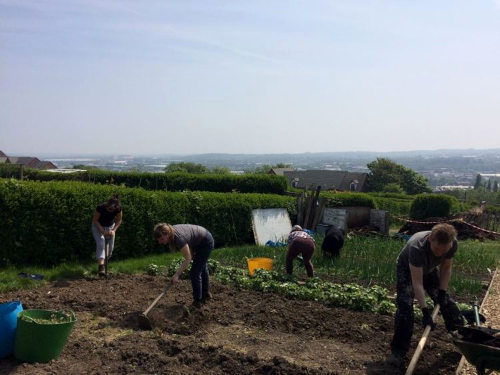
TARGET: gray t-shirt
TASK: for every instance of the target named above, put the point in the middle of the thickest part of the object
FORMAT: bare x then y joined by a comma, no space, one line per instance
190,234
418,253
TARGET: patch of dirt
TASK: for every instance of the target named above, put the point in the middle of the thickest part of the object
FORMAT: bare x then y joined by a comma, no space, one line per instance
237,332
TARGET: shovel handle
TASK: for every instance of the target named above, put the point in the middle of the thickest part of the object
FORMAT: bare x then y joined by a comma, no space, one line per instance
421,343
156,301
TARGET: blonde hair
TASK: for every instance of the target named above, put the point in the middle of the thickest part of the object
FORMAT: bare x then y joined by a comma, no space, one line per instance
443,233
162,229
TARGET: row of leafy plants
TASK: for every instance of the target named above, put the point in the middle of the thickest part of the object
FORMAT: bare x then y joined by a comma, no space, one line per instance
247,183
352,296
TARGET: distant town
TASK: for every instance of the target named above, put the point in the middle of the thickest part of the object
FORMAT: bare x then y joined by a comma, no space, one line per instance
442,168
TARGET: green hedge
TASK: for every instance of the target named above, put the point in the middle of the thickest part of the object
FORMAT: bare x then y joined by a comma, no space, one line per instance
49,222
433,205
348,199
225,183
395,204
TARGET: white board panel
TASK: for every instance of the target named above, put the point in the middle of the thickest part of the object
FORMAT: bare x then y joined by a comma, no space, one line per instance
271,224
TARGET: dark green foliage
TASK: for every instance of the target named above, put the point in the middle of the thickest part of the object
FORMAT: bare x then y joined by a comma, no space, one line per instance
220,170
49,222
247,183
433,205
348,199
478,182
395,204
384,172
10,170
393,187
186,167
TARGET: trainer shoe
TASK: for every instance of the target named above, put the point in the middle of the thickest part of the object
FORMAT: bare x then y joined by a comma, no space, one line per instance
101,270
396,358
196,304
206,297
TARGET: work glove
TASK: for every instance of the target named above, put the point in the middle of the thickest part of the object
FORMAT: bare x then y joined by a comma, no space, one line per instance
443,298
471,318
427,318
453,318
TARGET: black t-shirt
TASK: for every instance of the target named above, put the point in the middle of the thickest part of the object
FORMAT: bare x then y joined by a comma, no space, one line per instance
106,219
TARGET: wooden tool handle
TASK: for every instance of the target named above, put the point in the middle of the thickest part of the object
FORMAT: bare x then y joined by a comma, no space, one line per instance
156,301
421,343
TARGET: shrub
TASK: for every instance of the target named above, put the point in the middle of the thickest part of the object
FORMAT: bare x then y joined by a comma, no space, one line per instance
432,205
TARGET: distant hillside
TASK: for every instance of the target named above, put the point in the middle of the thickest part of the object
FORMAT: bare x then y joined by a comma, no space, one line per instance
440,167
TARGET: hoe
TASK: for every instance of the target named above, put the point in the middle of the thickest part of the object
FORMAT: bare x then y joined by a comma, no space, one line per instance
144,322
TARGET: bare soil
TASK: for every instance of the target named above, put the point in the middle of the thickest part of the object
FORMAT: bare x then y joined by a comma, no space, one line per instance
237,332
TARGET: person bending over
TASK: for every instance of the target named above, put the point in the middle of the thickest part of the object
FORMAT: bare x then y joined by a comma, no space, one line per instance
333,242
196,244
424,265
300,242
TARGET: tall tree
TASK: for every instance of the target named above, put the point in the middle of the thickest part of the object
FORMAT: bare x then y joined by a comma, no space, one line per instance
384,171
495,187
186,167
488,186
220,170
477,184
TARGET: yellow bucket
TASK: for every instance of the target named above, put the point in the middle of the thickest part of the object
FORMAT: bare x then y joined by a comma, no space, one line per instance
255,263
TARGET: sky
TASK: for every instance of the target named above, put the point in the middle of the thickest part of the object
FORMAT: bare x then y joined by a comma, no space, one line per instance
191,77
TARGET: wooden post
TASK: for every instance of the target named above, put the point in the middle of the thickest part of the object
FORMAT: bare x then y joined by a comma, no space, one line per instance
314,196
21,172
299,209
319,213
308,211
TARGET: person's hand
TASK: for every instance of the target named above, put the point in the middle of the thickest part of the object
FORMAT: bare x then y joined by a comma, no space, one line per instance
427,318
442,298
111,233
174,279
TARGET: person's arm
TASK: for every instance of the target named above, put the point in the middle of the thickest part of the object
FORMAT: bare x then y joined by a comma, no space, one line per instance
186,252
95,220
118,222
445,274
418,285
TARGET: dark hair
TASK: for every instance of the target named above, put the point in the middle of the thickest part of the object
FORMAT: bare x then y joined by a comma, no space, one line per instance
114,201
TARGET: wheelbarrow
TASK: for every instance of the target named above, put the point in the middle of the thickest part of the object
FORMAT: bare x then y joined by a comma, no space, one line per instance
479,345
481,355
